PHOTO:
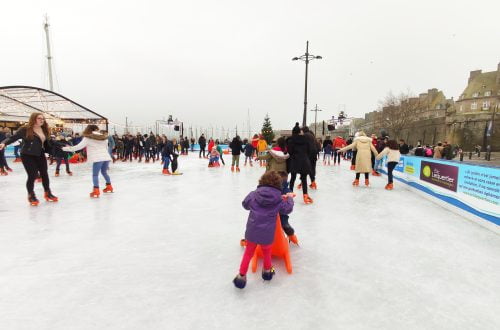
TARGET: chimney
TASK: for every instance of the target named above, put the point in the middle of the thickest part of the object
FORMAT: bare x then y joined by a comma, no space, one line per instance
474,74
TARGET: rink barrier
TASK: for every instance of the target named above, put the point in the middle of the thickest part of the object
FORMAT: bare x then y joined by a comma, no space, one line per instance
471,190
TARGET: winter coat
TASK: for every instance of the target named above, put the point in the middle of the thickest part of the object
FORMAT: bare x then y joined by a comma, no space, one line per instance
392,155
168,149
57,149
299,149
261,145
236,147
202,141
328,149
32,147
248,149
338,143
363,158
211,144
97,147
264,204
276,160
313,149
438,152
404,149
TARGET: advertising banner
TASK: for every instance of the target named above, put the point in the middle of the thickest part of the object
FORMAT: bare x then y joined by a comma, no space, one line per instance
442,175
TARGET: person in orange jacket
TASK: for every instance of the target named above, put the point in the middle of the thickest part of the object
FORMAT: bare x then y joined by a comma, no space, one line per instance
338,143
261,148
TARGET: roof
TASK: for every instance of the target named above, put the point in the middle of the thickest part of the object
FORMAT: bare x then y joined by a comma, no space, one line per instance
17,103
481,83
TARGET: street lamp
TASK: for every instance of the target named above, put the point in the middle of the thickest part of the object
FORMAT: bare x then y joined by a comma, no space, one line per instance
306,58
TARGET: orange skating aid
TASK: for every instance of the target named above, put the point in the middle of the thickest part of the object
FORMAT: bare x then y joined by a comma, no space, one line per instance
280,248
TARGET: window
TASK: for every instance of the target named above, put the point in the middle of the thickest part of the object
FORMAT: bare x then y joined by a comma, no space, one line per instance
487,93
486,105
475,94
473,106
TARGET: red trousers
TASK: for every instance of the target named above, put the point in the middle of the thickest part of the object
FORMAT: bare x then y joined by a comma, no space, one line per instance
247,256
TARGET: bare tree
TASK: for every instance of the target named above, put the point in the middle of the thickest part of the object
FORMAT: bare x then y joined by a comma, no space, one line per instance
398,112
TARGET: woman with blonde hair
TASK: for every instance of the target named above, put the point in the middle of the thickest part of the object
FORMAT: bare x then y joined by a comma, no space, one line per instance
35,136
364,146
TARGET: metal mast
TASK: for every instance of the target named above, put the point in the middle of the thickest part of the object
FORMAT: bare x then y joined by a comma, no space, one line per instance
49,57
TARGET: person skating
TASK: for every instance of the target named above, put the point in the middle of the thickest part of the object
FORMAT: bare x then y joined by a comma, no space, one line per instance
248,151
365,148
167,153
220,151
96,142
35,144
312,155
299,149
61,155
393,156
202,142
261,148
276,157
264,204
4,167
236,148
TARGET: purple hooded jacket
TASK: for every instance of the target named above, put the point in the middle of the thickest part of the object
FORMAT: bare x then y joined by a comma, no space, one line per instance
264,204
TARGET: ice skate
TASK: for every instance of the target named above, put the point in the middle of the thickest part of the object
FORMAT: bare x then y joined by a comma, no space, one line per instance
240,281
166,171
3,172
57,173
8,169
49,197
237,169
95,193
389,186
307,199
353,167
367,182
33,200
293,238
355,182
108,189
69,173
232,168
267,275
243,242
313,185
299,186
375,173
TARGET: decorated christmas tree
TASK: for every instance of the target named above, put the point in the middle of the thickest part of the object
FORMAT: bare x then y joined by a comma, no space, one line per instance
267,130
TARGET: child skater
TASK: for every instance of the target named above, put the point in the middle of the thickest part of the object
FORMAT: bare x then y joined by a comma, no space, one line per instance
393,155
328,154
264,204
213,160
97,154
248,150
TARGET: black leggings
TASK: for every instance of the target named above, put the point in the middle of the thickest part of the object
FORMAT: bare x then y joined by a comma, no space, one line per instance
59,161
303,179
34,165
358,174
202,149
390,168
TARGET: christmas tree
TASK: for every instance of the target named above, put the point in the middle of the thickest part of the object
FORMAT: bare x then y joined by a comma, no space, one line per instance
267,130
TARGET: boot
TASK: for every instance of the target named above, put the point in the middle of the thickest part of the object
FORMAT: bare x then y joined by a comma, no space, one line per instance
33,200
367,182
313,185
240,281
57,173
389,186
49,197
307,199
232,168
293,238
267,275
237,169
95,192
69,173
355,182
166,171
108,189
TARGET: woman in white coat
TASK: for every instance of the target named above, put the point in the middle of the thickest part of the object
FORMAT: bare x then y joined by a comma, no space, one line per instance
364,146
97,154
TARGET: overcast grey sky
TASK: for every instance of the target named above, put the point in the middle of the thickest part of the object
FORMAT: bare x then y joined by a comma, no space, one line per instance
207,62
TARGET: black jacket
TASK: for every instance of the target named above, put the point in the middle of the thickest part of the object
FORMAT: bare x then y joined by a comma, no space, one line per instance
236,147
404,149
33,147
202,141
299,149
57,149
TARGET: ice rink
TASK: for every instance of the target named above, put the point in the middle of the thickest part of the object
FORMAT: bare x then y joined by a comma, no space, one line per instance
161,252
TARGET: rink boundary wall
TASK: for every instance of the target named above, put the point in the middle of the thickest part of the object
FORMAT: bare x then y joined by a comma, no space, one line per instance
450,192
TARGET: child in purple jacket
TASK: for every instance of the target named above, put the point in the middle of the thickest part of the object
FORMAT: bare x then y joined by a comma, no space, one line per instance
264,205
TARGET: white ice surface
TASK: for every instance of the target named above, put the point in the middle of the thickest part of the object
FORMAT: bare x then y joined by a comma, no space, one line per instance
161,252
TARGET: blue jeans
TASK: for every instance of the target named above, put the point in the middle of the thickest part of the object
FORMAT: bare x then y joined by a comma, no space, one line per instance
100,167
378,163
166,162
